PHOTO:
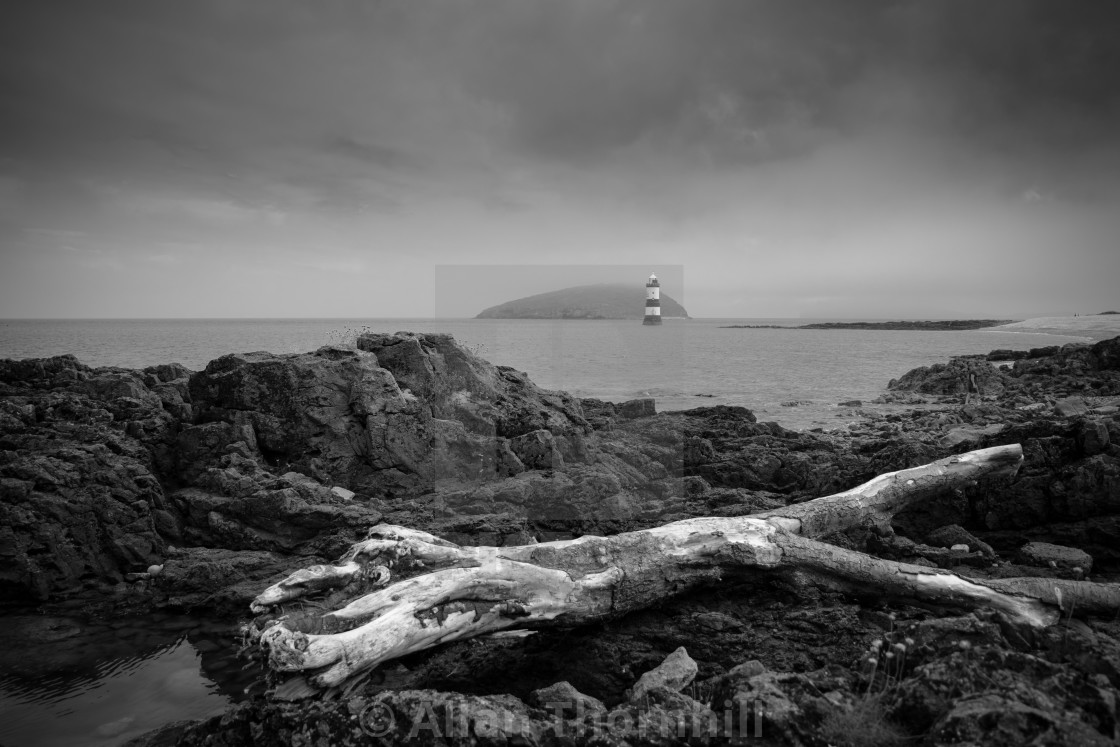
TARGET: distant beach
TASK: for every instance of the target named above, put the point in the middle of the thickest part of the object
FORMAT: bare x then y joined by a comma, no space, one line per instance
1091,326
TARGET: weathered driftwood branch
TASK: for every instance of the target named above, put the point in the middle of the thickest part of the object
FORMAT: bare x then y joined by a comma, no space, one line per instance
424,591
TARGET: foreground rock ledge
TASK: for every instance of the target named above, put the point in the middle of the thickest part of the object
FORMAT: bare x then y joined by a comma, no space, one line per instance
402,590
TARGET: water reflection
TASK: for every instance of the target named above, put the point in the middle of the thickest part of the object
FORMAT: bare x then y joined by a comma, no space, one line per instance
65,682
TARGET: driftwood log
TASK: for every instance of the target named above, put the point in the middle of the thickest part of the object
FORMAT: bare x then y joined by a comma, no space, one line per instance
403,590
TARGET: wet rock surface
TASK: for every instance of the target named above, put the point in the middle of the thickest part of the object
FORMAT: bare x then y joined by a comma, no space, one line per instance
230,477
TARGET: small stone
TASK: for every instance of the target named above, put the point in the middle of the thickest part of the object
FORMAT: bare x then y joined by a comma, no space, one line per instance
959,548
675,673
343,493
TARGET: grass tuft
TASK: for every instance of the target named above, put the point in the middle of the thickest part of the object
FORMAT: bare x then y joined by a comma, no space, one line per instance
865,724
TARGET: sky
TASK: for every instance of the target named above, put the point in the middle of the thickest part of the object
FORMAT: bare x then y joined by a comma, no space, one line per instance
796,158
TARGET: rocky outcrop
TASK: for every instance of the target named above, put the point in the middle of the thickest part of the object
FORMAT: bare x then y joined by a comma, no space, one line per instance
457,385
1073,369
334,415
79,497
297,454
220,477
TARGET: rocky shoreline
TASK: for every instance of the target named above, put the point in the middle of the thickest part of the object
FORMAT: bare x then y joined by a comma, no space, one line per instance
172,490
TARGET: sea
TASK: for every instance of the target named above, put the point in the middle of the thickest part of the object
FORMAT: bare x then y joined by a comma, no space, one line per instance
109,683
796,377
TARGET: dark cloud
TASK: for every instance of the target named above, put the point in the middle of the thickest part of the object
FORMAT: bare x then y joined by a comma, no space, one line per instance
757,78
752,133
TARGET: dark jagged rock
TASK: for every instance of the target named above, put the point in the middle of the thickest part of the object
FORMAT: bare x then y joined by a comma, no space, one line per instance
333,414
78,493
458,385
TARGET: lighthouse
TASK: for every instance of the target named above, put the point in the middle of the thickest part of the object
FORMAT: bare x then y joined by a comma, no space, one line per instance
653,301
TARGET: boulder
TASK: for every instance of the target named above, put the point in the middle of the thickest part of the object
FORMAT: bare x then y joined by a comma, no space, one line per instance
675,673
1044,554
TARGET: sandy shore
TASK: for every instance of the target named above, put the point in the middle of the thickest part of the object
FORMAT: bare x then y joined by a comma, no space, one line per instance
1096,327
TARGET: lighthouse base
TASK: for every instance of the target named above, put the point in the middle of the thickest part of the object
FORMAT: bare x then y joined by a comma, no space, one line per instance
651,319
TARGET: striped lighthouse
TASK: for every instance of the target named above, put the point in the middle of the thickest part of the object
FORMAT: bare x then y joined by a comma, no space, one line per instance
653,301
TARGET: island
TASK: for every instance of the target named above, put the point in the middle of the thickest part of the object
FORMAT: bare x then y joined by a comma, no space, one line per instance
602,301
950,324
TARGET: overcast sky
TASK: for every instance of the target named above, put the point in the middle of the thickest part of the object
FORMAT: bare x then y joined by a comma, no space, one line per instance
256,158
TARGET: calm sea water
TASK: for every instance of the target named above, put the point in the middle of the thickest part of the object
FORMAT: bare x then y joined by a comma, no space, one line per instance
682,364
75,684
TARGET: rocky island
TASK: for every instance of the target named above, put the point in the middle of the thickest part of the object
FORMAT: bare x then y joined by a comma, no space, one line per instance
298,493
603,301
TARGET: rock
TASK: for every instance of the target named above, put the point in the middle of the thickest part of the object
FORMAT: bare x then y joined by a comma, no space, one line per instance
1093,437
167,735
968,438
948,379
851,403
536,450
77,491
221,581
773,703
1071,407
953,535
334,415
675,673
1007,355
458,385
747,669
343,493
1044,554
1000,721
562,698
638,408
270,513
959,548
